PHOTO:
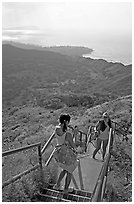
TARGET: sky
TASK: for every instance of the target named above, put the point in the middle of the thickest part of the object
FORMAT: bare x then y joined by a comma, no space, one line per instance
104,26
26,20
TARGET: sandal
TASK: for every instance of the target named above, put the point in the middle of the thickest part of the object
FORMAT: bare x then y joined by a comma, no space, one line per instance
56,187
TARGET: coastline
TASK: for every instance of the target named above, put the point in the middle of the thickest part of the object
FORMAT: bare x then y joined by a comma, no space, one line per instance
107,58
84,51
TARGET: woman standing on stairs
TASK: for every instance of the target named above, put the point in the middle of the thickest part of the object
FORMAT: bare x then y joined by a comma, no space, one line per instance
65,154
102,127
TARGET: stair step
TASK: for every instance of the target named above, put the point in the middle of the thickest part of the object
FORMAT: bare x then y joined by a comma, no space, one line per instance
51,198
76,195
75,192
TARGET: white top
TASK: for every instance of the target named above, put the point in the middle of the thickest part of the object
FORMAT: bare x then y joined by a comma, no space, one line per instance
60,139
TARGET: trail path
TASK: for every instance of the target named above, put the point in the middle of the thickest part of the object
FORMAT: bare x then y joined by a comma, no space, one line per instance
90,169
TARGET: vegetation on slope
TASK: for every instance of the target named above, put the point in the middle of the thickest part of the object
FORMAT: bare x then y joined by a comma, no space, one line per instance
40,85
43,72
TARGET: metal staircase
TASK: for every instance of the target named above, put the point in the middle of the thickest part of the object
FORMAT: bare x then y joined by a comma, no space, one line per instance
51,195
80,194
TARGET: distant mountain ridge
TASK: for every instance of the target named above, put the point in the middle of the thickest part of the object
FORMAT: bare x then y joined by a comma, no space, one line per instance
52,74
66,50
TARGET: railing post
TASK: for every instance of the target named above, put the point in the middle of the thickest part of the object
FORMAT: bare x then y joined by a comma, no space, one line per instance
40,164
89,135
80,176
40,156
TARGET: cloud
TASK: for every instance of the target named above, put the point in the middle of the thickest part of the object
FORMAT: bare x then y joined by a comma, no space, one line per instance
24,35
67,21
69,16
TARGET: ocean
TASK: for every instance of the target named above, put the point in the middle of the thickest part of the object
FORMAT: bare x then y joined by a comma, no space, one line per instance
112,48
112,52
116,56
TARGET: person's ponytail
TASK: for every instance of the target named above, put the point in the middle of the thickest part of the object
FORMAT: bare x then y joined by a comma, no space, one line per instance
64,126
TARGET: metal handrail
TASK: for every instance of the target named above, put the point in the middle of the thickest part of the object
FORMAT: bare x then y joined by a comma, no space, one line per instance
9,152
103,187
50,157
47,143
18,176
15,178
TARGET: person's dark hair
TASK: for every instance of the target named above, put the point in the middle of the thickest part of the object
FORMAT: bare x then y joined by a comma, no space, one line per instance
64,118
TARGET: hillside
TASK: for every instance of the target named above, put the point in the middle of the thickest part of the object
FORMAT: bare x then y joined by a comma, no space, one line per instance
38,86
51,79
23,125
70,50
74,51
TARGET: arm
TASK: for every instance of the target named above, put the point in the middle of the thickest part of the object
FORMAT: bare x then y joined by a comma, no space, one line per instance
97,129
113,127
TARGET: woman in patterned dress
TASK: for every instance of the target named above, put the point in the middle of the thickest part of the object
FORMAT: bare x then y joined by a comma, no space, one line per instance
65,154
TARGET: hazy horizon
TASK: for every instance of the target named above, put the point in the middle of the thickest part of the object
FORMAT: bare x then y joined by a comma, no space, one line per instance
104,27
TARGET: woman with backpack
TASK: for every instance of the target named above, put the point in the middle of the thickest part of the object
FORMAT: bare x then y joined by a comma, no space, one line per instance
102,128
65,154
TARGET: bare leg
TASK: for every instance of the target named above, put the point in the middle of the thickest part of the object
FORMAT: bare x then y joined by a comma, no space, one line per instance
98,146
68,180
61,176
105,142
